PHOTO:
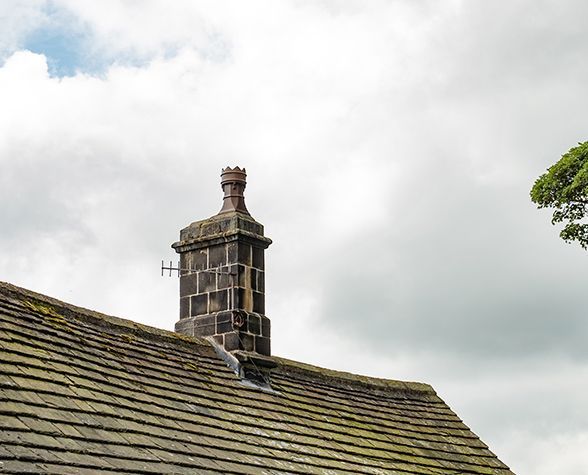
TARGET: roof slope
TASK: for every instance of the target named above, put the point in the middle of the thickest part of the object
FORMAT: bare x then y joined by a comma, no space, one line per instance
81,392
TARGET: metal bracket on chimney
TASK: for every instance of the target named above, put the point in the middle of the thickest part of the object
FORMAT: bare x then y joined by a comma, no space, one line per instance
227,357
252,368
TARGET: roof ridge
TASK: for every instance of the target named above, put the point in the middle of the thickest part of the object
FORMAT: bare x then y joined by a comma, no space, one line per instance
92,316
48,304
306,370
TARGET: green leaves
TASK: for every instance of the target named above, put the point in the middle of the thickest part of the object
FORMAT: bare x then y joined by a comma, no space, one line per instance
564,187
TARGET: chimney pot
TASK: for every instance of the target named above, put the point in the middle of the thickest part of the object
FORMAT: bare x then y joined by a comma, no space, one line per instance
233,183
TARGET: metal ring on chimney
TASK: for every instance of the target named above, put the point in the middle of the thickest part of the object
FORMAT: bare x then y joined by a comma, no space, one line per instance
238,319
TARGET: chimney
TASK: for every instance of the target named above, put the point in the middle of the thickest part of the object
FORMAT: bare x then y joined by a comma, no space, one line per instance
223,273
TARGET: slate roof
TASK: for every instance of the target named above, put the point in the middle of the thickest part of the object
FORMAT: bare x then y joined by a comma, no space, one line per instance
85,393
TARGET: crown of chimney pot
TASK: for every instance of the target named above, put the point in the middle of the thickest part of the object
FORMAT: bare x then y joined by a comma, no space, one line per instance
222,281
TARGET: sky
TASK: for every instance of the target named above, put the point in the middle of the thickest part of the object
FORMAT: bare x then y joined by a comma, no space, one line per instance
390,148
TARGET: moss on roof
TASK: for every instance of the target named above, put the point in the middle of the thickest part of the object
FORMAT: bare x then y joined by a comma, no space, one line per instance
46,305
323,374
83,392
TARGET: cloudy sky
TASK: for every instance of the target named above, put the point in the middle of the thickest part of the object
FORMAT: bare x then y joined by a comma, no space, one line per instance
390,147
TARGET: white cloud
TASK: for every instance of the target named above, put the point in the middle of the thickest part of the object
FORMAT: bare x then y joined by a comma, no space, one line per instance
17,19
556,453
407,137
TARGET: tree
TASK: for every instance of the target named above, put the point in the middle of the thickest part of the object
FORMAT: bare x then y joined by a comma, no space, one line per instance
564,187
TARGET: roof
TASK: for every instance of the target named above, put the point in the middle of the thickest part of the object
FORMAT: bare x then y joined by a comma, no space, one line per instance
82,392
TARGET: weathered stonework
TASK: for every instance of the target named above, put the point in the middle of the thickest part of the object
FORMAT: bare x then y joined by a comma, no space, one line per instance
222,276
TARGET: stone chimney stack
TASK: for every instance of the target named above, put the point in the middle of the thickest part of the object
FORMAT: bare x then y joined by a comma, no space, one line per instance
222,276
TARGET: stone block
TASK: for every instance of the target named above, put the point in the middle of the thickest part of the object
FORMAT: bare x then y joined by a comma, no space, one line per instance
244,299
258,302
205,325
232,252
261,281
265,326
224,322
253,324
241,274
244,253
185,327
197,260
206,282
217,256
188,284
184,307
253,278
257,258
222,225
199,304
247,341
234,298
224,279
231,341
184,260
218,301
262,345
244,276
